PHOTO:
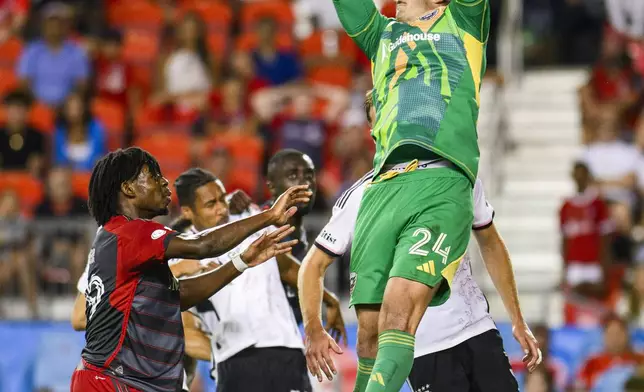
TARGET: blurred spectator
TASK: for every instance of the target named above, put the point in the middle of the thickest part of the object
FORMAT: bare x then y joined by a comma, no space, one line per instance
54,66
231,112
578,27
79,139
273,64
613,163
220,162
21,146
114,77
612,87
617,351
288,113
585,231
631,305
299,130
15,263
13,15
626,16
63,245
188,72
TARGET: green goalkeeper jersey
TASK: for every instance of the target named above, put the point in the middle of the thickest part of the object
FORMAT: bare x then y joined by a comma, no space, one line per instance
427,77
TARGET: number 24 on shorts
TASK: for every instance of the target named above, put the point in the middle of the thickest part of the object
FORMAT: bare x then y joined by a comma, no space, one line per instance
426,237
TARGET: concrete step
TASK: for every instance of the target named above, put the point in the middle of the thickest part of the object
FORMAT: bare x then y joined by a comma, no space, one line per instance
544,135
560,101
526,205
542,188
552,81
526,222
552,152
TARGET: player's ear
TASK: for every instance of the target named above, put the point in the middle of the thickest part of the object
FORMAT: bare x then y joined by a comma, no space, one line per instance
127,188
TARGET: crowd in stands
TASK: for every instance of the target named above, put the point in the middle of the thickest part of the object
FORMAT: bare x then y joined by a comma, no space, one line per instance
602,225
217,84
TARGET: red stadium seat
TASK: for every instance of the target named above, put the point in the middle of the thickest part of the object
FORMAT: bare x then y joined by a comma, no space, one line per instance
217,16
10,51
80,184
28,189
140,46
217,44
145,14
8,80
42,117
340,71
281,11
247,152
172,150
112,116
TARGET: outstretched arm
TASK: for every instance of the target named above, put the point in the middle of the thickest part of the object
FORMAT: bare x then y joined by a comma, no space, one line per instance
473,16
497,260
318,341
363,23
200,287
218,241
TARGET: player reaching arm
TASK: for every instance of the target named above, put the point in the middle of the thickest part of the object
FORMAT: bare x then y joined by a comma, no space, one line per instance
499,266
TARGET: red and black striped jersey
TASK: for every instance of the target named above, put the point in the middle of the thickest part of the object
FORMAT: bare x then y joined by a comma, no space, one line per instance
134,330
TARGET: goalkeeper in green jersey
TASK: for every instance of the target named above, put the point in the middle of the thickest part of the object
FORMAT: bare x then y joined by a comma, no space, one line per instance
414,222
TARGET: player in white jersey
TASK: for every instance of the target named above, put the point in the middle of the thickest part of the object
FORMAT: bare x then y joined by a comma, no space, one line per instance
457,348
255,340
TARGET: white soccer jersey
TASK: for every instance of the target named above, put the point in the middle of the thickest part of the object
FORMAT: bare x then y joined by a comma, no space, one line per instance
464,315
252,310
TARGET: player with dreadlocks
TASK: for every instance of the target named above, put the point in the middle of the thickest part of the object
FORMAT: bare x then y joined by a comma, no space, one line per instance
134,337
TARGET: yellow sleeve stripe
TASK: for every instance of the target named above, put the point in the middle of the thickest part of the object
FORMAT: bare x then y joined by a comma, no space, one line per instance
373,18
397,342
398,334
365,369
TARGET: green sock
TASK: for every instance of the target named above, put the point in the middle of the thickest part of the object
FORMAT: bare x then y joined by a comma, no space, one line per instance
365,365
393,363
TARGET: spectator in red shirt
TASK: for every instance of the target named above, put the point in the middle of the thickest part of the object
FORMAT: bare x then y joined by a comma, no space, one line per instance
114,78
617,351
611,87
585,232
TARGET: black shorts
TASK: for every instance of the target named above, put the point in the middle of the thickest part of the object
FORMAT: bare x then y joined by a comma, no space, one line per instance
273,369
479,364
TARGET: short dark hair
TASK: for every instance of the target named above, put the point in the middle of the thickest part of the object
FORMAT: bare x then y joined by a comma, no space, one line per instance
109,174
189,181
279,159
18,97
368,104
113,36
581,165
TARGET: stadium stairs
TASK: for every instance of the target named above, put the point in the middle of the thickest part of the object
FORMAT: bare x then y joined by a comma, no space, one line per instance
544,134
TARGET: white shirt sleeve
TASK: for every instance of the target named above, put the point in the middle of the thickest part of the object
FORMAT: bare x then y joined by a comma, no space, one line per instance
336,237
483,210
81,286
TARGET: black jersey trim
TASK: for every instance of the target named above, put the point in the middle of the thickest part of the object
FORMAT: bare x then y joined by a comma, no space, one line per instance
326,250
485,225
342,200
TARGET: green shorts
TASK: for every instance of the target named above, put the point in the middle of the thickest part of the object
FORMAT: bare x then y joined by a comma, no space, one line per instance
415,226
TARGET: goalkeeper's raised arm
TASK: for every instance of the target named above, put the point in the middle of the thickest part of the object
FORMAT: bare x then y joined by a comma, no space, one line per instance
362,22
